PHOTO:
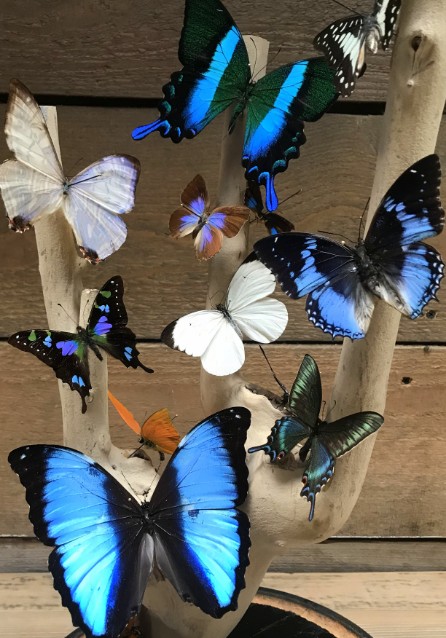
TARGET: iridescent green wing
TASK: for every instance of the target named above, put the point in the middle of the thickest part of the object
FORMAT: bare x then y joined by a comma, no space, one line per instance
306,393
318,471
215,73
278,106
285,435
342,435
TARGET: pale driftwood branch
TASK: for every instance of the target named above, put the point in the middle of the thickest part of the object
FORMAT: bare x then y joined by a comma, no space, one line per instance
415,103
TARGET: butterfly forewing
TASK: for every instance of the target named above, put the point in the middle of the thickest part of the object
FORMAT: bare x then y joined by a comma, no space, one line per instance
65,352
306,393
159,431
201,539
342,435
103,555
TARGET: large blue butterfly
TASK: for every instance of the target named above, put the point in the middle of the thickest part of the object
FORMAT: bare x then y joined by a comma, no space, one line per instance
390,263
106,543
216,75
67,353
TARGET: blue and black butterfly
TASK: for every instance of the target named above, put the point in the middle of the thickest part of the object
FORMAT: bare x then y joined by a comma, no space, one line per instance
274,223
344,41
216,75
106,543
391,263
67,352
325,441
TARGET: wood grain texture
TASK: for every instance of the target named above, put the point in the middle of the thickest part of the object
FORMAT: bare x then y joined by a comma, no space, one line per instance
163,279
395,500
110,48
401,605
22,555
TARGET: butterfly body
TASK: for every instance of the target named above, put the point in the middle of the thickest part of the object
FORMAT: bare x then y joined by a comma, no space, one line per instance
344,42
216,76
67,353
390,263
324,442
106,543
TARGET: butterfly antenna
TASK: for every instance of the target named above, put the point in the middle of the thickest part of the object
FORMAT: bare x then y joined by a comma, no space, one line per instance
289,197
148,490
69,316
346,7
255,59
265,65
325,232
279,383
135,452
361,223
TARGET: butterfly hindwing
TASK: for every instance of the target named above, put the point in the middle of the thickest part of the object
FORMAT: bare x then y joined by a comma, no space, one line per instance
279,104
107,325
286,433
215,72
65,352
386,13
318,471
102,556
201,539
274,223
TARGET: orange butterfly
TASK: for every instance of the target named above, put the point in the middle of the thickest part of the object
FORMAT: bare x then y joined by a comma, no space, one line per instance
156,432
207,227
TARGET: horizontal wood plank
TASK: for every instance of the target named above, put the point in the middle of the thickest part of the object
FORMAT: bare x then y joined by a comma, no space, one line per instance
401,605
113,49
20,555
395,500
162,277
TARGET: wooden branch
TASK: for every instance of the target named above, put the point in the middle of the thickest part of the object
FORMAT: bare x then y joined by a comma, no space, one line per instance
415,102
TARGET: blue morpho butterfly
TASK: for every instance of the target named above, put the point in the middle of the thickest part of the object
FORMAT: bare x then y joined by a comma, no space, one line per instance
390,263
325,441
67,352
344,41
274,223
216,74
106,543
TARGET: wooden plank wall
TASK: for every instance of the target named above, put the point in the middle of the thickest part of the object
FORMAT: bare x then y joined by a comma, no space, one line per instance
93,60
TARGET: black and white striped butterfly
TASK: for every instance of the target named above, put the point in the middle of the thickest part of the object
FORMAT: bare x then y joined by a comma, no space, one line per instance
344,41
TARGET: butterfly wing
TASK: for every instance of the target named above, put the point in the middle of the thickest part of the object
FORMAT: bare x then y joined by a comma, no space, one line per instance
207,334
258,317
201,538
279,104
159,431
96,199
65,352
286,433
343,44
215,73
326,270
386,14
409,272
102,554
225,221
125,414
318,471
32,184
107,325
343,435
306,393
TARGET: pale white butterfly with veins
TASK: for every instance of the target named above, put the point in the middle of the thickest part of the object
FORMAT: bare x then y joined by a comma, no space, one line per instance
33,184
216,335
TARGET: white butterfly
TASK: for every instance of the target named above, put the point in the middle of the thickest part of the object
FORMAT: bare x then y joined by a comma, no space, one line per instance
344,41
216,335
33,184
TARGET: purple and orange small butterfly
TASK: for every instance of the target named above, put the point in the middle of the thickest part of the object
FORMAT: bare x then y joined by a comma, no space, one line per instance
157,431
207,227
